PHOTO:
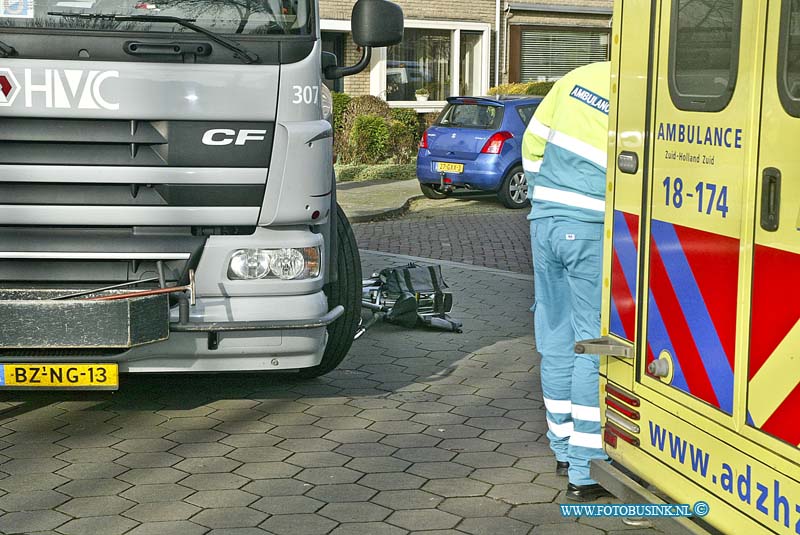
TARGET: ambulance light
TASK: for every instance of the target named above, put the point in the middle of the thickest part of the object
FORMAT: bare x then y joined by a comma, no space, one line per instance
610,438
618,420
613,429
630,399
619,407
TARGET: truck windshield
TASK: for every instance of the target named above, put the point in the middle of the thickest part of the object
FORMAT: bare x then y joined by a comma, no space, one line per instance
244,17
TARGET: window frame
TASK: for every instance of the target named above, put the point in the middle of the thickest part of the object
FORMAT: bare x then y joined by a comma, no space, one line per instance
449,46
704,103
378,78
378,65
790,104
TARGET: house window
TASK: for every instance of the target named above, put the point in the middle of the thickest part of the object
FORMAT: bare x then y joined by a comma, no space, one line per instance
471,63
422,60
548,54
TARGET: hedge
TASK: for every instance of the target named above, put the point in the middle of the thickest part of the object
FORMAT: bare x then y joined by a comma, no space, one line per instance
408,117
369,139
528,88
385,136
361,172
340,102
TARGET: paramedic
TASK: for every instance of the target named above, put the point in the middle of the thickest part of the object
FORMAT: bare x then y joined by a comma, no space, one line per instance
564,156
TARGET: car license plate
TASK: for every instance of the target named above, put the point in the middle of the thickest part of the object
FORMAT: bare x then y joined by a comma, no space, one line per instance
446,167
60,376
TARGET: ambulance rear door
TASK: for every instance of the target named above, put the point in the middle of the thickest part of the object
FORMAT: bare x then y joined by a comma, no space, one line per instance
773,371
703,137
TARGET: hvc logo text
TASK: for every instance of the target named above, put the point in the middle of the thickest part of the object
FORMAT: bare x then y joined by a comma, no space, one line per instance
68,89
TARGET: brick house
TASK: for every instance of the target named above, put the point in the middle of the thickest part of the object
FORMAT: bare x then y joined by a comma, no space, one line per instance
452,48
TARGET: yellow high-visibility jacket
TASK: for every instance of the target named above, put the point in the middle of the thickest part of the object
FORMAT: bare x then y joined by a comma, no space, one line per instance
564,148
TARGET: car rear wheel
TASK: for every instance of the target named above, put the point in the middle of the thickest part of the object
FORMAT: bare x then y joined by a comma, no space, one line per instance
346,291
432,192
514,190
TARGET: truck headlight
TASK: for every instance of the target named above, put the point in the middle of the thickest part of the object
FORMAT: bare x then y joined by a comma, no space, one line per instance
247,264
285,264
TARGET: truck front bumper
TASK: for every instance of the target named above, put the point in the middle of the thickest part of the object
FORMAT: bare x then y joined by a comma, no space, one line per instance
239,334
220,334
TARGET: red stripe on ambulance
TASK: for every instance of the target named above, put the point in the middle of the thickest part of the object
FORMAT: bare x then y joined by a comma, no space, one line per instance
784,421
623,298
776,294
678,330
715,266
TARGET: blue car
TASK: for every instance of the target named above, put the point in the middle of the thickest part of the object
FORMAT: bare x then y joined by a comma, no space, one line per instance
476,144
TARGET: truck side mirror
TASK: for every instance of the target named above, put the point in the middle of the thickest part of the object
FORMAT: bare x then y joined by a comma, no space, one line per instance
377,23
329,61
374,23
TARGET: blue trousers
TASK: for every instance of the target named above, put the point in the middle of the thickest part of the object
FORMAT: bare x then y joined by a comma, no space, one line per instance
567,265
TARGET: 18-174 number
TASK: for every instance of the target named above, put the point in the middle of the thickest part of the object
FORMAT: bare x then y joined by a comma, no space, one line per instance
710,197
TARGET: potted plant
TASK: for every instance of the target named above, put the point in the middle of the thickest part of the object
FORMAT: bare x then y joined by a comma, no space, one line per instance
421,94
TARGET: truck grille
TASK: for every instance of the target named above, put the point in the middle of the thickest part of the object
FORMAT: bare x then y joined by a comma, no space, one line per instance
83,142
98,172
53,257
94,142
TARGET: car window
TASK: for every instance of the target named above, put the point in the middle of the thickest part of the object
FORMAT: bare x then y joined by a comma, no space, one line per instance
526,112
482,116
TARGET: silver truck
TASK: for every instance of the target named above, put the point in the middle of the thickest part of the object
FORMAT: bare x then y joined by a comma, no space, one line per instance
167,194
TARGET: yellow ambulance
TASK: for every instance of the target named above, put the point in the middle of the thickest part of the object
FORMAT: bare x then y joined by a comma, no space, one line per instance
700,379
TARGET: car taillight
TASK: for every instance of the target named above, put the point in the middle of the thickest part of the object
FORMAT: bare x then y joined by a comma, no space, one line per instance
423,143
495,143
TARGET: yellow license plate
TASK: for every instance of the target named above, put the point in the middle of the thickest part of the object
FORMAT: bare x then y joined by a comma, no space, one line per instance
60,376
446,167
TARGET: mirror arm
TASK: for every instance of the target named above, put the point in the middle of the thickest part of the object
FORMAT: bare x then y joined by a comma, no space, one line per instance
333,72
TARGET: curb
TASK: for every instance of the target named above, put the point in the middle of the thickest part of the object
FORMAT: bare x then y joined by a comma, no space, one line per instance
383,214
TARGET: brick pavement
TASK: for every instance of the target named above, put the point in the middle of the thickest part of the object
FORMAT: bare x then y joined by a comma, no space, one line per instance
418,432
477,231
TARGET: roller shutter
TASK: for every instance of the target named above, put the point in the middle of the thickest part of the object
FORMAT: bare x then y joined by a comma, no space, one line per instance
550,54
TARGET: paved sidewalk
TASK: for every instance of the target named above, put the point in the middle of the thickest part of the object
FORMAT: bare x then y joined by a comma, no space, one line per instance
419,431
376,199
472,230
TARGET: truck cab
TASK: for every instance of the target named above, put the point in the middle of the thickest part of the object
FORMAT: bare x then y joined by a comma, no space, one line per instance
167,195
700,383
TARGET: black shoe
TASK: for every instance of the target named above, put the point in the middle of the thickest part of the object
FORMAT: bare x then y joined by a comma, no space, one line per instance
585,493
562,468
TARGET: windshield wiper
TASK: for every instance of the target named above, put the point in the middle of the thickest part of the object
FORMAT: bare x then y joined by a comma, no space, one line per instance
7,50
240,52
